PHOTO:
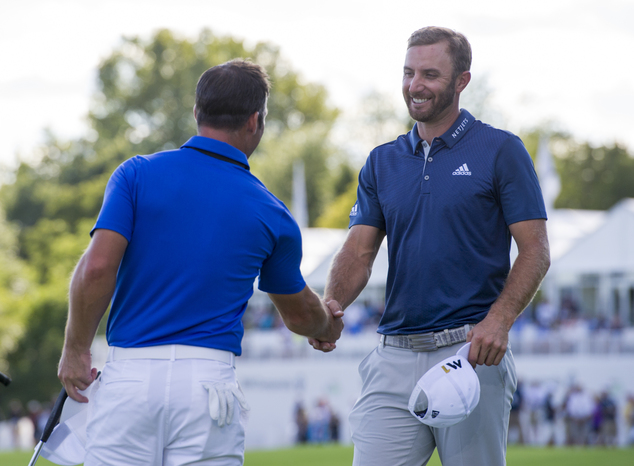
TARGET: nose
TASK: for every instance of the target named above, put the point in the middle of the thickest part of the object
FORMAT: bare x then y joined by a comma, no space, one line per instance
416,84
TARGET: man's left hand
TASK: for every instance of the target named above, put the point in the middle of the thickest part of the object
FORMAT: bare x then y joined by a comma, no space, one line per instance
489,340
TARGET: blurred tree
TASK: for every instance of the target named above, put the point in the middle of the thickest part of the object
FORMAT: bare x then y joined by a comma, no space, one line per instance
14,285
593,178
337,215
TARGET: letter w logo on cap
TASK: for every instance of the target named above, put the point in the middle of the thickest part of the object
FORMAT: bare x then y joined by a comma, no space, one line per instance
453,364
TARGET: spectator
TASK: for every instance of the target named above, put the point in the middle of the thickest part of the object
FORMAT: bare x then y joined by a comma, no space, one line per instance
301,421
355,318
629,418
534,398
34,408
546,314
608,409
550,417
15,414
320,422
334,427
579,410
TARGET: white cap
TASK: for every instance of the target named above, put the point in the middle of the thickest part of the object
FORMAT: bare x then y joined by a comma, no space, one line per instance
67,443
447,393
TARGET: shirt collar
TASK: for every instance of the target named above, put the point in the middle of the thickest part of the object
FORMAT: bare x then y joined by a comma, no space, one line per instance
464,121
217,147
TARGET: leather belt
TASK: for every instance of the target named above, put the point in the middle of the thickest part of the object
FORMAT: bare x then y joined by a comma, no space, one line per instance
428,341
171,352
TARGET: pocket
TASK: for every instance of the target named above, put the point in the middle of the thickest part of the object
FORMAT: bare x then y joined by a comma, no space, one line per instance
363,364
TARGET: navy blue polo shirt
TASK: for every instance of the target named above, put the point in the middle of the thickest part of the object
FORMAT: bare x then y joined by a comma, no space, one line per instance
200,230
446,216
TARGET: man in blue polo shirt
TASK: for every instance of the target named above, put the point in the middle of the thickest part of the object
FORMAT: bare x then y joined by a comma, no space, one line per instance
179,241
449,196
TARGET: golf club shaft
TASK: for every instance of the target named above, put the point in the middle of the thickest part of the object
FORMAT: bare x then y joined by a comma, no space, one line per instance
36,455
53,419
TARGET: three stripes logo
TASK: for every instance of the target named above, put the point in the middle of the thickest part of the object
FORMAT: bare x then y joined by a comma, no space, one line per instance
355,210
462,170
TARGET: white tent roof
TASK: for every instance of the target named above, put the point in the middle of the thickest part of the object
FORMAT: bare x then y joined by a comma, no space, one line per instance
608,249
320,246
581,241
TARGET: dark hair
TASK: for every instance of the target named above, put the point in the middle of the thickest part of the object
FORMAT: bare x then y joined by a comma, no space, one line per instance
227,94
459,47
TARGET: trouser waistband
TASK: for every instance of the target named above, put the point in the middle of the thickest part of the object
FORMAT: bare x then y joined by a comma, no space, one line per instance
428,341
171,352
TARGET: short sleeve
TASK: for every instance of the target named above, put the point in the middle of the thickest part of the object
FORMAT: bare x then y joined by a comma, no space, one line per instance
117,210
280,273
520,195
367,209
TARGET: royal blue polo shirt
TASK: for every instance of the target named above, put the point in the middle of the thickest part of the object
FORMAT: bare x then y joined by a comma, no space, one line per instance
200,230
446,216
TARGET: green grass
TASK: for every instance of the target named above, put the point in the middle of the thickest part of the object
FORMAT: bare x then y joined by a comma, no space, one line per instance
334,455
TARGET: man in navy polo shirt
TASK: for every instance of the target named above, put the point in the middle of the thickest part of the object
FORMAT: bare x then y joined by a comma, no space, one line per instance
449,196
179,241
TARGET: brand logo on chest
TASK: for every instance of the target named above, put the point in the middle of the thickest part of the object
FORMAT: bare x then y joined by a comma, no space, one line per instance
462,170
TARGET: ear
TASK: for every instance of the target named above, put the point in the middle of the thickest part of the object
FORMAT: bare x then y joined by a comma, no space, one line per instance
252,123
462,81
195,116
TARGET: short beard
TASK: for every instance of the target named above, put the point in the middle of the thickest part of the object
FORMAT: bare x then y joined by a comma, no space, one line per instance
445,100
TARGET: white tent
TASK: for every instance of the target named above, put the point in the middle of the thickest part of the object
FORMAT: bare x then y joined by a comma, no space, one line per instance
598,269
320,246
609,249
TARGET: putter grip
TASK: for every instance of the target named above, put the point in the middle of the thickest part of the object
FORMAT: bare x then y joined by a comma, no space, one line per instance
4,380
53,419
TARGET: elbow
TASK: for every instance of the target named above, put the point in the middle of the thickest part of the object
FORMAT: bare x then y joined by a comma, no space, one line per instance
94,270
546,260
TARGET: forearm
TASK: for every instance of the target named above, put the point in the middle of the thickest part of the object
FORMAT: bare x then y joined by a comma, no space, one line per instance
305,314
352,266
523,281
312,320
90,294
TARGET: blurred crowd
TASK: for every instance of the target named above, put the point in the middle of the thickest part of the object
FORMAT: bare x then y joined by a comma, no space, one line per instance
543,414
541,328
319,425
21,427
367,314
359,316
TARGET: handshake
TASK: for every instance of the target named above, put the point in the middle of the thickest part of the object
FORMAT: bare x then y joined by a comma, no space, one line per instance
305,313
335,319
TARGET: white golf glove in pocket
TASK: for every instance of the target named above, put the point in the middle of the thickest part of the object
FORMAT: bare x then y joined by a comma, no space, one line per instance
221,400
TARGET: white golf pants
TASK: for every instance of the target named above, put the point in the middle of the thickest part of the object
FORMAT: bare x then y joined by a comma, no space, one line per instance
156,412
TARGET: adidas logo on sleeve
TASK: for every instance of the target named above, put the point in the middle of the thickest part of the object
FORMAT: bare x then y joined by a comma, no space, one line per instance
462,170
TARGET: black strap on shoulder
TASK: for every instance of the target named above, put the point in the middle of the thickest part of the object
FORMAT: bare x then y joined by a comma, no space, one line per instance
220,157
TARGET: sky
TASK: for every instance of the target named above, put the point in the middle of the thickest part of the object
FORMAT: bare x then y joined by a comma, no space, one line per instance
562,63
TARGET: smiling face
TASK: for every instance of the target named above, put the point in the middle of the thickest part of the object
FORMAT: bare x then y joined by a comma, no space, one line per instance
429,88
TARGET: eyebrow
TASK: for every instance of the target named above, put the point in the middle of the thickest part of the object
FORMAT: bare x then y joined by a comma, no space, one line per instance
426,70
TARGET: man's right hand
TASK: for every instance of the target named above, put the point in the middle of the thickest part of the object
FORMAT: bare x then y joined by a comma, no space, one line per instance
335,324
75,373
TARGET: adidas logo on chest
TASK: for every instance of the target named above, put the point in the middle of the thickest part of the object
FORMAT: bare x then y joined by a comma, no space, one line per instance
462,170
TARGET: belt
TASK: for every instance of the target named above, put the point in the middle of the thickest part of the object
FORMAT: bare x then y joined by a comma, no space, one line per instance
428,341
171,352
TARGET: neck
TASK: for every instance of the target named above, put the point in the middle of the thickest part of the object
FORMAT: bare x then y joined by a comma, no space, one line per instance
433,129
232,138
